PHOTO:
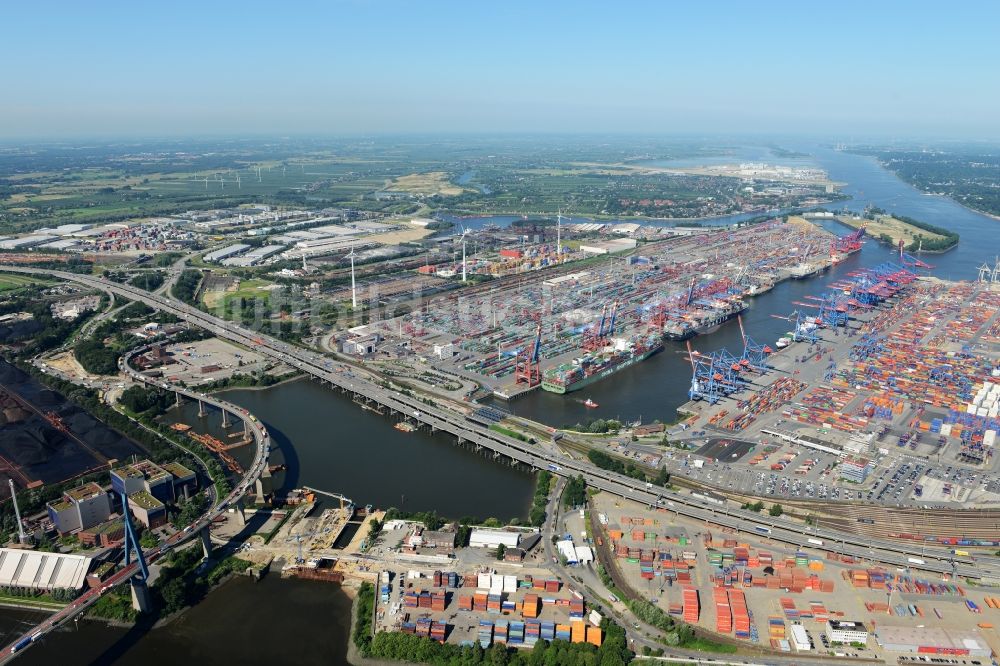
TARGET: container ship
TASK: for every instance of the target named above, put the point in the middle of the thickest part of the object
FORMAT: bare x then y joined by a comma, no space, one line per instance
699,322
592,366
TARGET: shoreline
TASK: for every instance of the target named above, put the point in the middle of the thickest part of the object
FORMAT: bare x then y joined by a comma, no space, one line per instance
937,194
293,378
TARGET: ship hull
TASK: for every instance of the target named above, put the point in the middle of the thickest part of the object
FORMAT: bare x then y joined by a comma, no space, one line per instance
703,329
597,376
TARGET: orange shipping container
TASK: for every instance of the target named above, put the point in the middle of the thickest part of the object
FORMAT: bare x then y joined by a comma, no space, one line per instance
594,636
578,632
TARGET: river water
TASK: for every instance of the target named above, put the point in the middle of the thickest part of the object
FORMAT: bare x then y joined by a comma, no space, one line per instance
329,443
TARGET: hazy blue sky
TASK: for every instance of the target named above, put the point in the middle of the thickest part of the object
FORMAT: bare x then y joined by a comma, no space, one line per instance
166,68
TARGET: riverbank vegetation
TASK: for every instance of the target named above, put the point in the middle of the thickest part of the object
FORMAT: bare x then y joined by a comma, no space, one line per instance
969,176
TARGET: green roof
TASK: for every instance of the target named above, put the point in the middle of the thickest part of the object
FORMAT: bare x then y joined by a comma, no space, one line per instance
60,505
144,500
178,470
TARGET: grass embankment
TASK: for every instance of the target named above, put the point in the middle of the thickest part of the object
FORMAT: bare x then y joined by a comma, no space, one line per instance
915,234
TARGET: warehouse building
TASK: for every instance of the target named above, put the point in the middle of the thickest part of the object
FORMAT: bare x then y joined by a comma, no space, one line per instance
843,631
25,242
226,252
253,257
44,572
932,640
486,538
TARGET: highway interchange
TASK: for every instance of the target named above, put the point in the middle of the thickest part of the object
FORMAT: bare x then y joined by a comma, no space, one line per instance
340,375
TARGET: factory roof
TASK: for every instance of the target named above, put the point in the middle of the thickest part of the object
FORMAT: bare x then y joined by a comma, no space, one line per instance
42,571
227,251
144,500
178,470
939,637
86,491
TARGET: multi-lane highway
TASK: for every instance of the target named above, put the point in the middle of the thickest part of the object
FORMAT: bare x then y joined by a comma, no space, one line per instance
342,376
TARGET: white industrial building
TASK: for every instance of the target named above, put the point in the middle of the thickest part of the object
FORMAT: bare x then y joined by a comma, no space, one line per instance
843,631
254,256
25,242
932,640
800,639
567,550
226,252
609,246
35,570
487,538
584,554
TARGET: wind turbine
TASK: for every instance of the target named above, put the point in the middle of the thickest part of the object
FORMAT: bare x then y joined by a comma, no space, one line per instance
206,182
238,186
465,232
354,293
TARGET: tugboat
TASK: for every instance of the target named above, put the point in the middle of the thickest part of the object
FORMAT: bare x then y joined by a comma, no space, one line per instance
590,404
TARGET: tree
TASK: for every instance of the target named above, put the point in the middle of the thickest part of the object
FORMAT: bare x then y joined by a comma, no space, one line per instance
662,478
776,510
501,551
576,492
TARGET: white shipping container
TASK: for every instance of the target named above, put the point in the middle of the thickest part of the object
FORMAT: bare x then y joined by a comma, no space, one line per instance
510,584
946,429
484,581
989,438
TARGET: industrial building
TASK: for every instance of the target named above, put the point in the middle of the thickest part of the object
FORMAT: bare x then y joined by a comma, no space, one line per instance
226,252
856,470
253,257
800,638
148,510
144,475
486,538
80,508
932,640
609,246
43,572
843,631
24,242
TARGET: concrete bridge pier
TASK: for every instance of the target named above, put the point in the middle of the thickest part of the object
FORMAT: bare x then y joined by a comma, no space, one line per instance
225,418
246,429
241,515
141,599
206,541
201,409
177,398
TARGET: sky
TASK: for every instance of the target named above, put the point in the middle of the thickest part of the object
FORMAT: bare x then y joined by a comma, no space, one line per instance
883,68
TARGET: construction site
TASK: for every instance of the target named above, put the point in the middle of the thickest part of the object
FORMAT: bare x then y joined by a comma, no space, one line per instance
576,322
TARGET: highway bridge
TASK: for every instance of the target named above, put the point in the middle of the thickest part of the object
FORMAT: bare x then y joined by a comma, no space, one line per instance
197,529
341,376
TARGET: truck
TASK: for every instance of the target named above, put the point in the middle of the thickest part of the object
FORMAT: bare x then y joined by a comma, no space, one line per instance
762,530
914,560
815,542
960,553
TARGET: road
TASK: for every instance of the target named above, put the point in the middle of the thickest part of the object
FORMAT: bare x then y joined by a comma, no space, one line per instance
91,596
344,377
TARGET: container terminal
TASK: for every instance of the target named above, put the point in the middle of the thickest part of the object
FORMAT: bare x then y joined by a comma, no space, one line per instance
572,324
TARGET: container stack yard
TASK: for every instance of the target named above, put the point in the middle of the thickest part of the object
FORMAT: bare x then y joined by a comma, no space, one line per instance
613,311
484,607
760,592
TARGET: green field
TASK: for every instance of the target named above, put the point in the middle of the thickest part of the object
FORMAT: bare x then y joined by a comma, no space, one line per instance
9,282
